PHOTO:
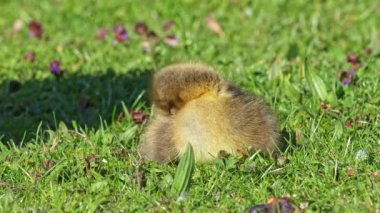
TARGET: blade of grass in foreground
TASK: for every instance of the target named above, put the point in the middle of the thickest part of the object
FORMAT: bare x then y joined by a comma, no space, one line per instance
184,171
317,84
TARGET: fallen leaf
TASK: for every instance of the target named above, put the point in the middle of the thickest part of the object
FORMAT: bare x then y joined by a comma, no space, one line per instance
17,26
325,106
282,160
299,136
304,205
48,164
214,25
54,145
376,174
146,46
171,41
217,196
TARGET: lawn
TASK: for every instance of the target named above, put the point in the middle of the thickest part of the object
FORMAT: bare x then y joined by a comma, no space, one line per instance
74,81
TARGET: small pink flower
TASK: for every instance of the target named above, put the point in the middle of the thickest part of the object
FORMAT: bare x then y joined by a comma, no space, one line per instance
35,29
356,66
141,28
353,58
349,124
102,33
139,116
30,56
347,77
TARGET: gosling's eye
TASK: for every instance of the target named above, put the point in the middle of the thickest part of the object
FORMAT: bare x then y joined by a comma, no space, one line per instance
171,108
172,111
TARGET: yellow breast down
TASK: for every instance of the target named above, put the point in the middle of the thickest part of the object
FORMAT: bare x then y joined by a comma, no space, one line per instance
203,124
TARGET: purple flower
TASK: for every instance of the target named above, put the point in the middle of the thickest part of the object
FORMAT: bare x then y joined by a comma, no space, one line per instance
120,33
347,77
35,29
346,82
122,36
351,74
55,67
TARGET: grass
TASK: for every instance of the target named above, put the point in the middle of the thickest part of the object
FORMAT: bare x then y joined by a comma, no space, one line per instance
69,144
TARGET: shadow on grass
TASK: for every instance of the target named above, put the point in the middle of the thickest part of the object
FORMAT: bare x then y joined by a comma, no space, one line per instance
287,138
74,97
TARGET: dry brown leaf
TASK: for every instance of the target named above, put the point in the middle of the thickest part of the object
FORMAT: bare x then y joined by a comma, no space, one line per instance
146,46
214,25
376,174
304,205
171,41
282,160
17,26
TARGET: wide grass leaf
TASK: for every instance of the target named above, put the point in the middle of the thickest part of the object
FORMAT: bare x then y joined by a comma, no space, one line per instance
184,171
315,82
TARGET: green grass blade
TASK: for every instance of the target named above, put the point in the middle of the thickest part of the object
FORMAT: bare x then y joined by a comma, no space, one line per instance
316,83
184,171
